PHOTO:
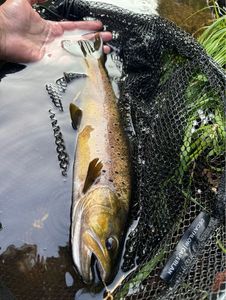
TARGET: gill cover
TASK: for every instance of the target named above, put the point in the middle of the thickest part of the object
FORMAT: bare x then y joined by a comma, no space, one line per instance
102,221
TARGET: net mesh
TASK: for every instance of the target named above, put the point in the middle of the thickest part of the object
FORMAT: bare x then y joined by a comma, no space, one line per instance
173,107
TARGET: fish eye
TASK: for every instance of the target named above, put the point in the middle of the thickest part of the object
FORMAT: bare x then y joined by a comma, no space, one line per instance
111,243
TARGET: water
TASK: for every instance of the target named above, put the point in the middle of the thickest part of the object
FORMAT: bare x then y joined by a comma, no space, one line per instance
35,199
32,190
190,15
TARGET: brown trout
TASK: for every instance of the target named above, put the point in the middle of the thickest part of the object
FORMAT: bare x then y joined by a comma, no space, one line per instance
102,180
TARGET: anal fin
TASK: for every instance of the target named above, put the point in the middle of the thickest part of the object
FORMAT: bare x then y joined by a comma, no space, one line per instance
94,171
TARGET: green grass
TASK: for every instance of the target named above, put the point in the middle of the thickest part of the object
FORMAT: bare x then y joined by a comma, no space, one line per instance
221,246
213,39
209,138
134,283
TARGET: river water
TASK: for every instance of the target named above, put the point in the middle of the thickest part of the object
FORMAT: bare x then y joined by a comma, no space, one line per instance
35,199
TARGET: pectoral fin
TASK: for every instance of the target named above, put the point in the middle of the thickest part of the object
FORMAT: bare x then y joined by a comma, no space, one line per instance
93,173
76,115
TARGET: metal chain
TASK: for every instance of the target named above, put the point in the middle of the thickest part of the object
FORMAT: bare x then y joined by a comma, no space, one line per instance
55,95
63,157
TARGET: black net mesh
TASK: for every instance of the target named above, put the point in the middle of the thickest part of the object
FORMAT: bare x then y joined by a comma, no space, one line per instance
173,107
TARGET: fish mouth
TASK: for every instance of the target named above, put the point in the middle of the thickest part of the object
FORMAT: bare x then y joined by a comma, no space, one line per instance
94,259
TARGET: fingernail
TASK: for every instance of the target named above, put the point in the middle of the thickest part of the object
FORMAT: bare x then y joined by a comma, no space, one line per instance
99,23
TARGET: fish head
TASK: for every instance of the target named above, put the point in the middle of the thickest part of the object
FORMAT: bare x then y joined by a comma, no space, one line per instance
101,234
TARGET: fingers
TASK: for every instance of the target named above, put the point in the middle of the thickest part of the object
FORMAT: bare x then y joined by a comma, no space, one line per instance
106,36
32,2
85,25
107,49
58,28
55,29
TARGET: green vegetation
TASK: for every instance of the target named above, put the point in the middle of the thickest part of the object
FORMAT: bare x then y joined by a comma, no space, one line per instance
134,283
205,131
213,40
221,246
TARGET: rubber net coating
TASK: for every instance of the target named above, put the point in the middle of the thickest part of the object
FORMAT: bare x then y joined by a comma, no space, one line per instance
173,107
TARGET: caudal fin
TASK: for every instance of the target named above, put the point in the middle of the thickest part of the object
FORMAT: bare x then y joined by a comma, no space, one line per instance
89,48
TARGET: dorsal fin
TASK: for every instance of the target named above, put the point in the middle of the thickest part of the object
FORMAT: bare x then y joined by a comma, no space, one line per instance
94,171
72,76
76,115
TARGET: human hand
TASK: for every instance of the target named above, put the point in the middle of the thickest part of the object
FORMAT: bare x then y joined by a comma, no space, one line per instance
24,34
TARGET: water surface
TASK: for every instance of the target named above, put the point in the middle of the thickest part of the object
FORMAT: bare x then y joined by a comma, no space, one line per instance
190,15
35,199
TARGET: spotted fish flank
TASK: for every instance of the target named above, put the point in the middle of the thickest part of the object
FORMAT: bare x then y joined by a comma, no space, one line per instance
101,189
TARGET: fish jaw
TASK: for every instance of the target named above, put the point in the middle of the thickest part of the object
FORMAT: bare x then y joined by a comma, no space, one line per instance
90,248
104,262
84,265
80,253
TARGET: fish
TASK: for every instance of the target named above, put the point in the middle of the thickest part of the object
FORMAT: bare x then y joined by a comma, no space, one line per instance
102,171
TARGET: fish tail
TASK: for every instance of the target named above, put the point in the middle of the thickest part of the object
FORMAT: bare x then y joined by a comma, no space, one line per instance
89,48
